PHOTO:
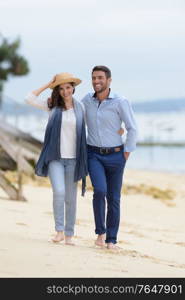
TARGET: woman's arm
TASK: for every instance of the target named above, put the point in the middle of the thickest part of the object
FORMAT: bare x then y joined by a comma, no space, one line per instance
43,88
33,97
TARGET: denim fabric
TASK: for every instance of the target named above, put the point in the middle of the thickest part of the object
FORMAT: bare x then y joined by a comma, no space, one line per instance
61,174
106,173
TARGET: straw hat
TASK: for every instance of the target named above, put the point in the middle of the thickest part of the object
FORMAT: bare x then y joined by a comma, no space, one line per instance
64,78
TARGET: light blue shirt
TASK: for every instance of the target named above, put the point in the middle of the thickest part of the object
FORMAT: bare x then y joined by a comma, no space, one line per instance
105,119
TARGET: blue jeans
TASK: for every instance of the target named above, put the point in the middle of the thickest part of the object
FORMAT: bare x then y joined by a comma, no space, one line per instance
106,173
61,174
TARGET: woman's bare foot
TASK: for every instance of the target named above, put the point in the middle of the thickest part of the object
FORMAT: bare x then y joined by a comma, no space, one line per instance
112,246
100,241
58,237
68,241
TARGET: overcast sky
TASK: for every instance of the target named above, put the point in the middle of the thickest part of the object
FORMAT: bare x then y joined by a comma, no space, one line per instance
142,41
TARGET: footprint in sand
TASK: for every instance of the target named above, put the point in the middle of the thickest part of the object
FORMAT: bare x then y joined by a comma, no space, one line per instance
78,237
175,265
136,233
48,213
125,242
116,251
21,223
180,244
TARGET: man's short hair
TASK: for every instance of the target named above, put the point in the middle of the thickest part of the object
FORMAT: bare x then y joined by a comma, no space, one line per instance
106,70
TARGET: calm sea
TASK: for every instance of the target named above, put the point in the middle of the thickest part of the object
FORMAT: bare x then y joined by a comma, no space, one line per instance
165,126
158,158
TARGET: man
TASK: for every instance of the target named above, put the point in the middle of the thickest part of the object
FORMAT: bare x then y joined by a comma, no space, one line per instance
105,112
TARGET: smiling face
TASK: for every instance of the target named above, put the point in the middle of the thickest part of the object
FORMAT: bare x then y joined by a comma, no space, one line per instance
66,91
100,82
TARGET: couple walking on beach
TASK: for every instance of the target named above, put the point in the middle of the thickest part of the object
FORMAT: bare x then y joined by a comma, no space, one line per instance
68,156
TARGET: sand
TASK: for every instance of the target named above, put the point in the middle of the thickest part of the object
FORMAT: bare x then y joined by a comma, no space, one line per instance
151,233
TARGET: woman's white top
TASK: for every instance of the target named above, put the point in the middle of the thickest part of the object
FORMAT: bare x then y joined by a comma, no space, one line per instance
68,134
68,126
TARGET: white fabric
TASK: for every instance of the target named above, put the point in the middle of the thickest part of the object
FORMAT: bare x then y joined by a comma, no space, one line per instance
36,101
68,134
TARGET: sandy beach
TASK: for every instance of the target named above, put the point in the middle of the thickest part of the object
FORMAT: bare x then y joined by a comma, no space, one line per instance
151,235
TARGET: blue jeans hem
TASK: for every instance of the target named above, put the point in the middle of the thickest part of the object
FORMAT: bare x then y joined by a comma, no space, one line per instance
110,241
69,233
59,229
99,232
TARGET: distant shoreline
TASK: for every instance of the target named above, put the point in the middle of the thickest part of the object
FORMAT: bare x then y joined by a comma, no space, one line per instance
162,144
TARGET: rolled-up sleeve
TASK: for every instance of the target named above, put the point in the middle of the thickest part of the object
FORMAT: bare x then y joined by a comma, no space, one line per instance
126,114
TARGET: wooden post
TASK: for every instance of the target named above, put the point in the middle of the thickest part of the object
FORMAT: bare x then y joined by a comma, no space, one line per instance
19,174
8,187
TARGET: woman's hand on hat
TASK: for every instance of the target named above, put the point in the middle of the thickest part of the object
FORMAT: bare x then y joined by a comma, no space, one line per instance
44,87
54,78
51,81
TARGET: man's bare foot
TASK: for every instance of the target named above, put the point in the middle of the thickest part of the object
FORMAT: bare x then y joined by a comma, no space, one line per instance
68,241
100,241
58,237
112,246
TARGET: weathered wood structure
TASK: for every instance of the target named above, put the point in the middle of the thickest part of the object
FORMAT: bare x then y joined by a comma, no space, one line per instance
18,151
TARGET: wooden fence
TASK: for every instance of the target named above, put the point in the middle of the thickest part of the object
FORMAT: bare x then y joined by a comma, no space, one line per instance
19,149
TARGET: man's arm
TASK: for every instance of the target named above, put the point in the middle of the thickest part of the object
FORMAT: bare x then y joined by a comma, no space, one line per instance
127,116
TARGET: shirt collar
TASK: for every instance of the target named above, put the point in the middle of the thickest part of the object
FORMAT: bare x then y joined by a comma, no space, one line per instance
110,96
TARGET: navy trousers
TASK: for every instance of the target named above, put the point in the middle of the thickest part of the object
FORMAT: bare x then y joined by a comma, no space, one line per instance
106,174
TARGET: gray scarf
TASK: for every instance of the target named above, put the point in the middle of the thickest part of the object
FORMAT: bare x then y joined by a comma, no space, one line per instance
51,145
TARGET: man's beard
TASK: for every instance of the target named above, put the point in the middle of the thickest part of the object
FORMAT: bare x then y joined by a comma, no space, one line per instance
101,90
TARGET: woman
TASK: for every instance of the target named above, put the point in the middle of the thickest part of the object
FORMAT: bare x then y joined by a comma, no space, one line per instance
63,157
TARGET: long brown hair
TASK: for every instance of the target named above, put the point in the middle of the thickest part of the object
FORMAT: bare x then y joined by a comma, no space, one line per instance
56,99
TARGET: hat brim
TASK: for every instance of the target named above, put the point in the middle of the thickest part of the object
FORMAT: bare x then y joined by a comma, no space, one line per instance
76,82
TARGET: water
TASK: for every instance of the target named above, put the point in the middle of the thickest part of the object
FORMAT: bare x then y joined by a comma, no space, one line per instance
161,127
157,158
153,127
171,158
